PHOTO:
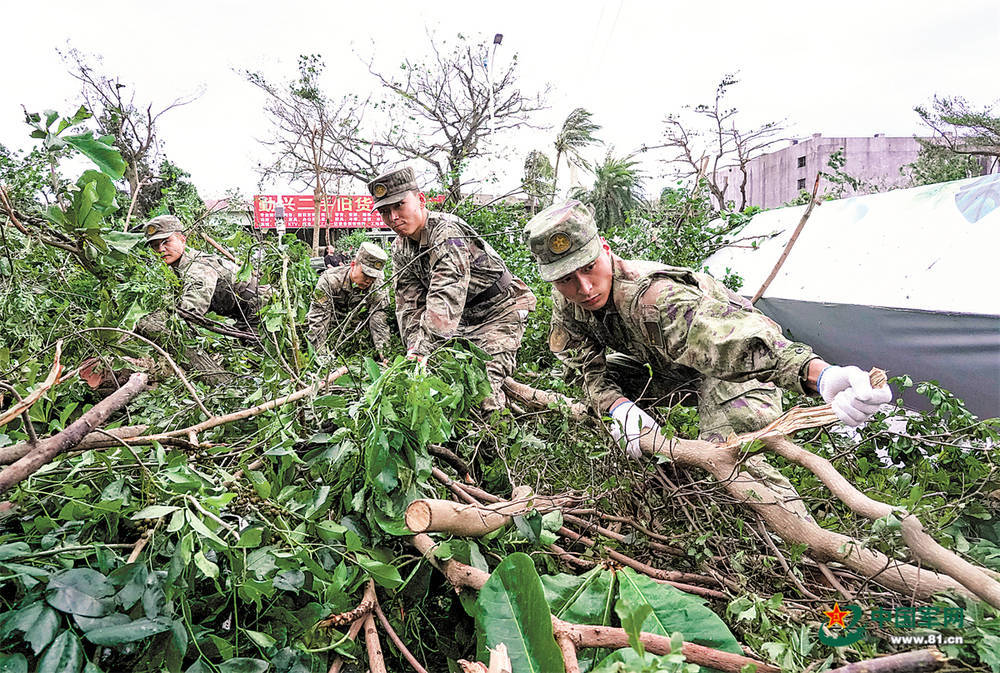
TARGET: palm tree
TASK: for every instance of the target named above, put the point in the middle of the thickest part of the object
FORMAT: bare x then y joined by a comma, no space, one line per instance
537,182
617,190
577,133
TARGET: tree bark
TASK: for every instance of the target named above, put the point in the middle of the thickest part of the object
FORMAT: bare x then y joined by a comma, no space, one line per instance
918,661
49,448
94,440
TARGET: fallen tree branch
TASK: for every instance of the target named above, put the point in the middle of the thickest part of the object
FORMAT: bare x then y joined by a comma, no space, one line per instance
397,641
246,413
376,662
917,661
427,515
722,462
464,576
95,440
923,546
49,448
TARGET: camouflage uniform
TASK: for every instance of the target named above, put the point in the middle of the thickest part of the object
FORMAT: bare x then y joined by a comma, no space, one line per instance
452,283
697,337
339,301
208,283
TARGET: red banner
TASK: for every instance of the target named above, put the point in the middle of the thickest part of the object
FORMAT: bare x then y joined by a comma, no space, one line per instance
336,212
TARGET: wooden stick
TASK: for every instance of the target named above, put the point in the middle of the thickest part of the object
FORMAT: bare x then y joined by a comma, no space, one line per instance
228,255
376,662
397,641
917,661
791,242
49,448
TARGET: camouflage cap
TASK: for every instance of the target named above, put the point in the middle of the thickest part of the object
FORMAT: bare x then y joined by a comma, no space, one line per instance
391,187
562,238
161,227
372,260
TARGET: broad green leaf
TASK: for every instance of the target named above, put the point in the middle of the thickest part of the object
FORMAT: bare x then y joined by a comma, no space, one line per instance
91,623
80,591
511,609
14,550
123,241
250,537
385,575
39,623
329,531
101,152
199,527
132,580
154,512
63,656
673,611
583,599
127,633
205,566
289,580
261,639
13,663
243,665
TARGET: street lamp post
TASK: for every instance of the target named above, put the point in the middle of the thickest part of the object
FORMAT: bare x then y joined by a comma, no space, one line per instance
497,39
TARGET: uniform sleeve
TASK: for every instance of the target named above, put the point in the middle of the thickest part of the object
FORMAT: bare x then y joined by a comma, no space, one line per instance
320,314
721,339
409,298
583,356
378,324
450,265
197,288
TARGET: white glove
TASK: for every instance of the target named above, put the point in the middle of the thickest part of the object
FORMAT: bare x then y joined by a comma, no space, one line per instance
848,390
631,422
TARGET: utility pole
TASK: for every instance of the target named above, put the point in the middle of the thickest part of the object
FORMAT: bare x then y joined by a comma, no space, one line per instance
497,39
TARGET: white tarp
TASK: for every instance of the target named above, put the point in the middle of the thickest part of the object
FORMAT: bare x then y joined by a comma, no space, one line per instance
933,248
905,280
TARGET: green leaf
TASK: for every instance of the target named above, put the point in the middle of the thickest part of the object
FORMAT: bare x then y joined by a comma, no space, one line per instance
63,656
154,512
243,665
262,639
250,537
127,633
123,241
511,609
13,663
385,575
204,565
583,599
14,550
39,623
632,618
673,610
91,623
199,527
80,591
289,580
102,153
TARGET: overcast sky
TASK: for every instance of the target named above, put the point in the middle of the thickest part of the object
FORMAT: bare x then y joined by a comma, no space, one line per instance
847,68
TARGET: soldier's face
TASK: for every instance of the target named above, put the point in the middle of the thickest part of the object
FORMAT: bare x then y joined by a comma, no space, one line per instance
590,285
408,217
171,248
359,278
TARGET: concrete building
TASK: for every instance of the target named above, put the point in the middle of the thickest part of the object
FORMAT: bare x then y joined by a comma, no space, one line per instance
774,179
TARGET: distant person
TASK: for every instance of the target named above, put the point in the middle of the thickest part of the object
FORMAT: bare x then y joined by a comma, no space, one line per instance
450,282
633,330
347,294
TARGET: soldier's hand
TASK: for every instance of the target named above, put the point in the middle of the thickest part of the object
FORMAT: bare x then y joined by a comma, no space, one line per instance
630,423
849,392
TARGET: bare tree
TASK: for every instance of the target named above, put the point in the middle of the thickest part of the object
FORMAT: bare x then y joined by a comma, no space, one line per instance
710,131
315,138
448,110
133,125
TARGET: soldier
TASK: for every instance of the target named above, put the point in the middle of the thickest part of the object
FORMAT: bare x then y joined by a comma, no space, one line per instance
449,282
697,338
208,282
344,293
